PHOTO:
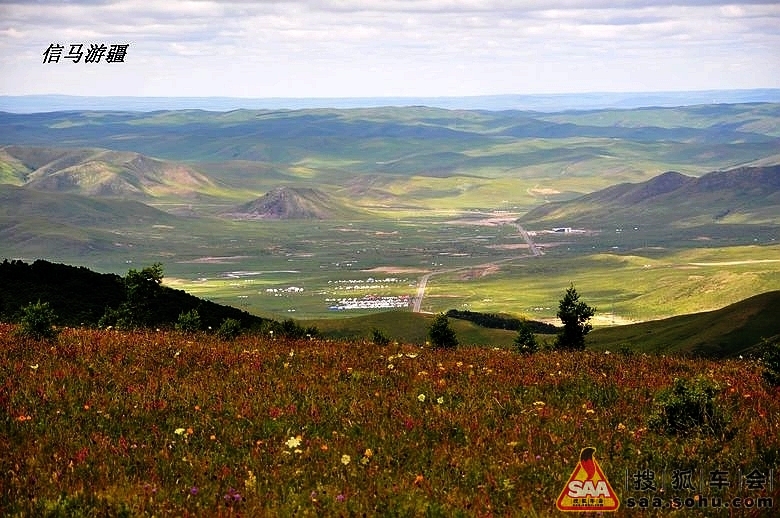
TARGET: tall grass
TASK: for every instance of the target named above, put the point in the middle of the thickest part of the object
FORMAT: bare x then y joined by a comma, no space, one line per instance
106,423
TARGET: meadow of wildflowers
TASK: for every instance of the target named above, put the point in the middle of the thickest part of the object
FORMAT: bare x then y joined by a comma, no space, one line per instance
109,423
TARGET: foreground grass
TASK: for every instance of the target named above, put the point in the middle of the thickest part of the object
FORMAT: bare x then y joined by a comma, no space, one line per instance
105,423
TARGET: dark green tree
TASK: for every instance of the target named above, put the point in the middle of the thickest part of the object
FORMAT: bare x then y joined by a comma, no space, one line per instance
143,288
188,322
142,291
38,321
379,338
229,329
770,359
575,316
525,341
441,334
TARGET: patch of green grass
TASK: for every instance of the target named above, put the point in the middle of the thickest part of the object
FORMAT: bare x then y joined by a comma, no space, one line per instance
731,331
407,327
632,286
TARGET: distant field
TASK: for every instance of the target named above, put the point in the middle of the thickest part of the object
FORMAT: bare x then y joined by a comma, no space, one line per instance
487,268
624,286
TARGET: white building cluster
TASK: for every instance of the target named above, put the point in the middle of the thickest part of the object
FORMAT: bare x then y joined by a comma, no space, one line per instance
370,302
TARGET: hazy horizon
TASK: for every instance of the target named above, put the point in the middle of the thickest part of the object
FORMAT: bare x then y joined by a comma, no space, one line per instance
395,48
530,102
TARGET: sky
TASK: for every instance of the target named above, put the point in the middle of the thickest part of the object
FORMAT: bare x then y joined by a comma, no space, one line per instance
390,48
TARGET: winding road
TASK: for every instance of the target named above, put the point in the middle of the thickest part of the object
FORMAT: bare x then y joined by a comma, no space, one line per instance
423,283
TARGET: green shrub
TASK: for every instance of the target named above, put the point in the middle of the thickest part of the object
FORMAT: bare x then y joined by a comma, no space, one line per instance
189,322
37,321
525,341
229,329
770,359
686,406
441,334
292,330
379,338
120,318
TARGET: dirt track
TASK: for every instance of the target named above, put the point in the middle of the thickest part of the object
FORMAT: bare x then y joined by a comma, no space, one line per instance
491,267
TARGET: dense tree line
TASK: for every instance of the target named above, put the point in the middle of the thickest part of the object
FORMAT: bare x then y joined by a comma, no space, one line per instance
494,321
78,296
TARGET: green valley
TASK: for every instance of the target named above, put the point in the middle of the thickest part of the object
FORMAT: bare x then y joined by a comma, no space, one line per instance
325,213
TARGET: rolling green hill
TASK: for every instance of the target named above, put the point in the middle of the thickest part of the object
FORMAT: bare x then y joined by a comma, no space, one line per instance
44,224
292,203
734,330
407,327
742,195
401,159
731,331
99,172
79,296
20,203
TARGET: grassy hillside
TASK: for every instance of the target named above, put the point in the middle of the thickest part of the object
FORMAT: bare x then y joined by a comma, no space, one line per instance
78,211
80,297
742,195
100,172
292,203
109,423
630,276
67,226
734,330
406,327
433,158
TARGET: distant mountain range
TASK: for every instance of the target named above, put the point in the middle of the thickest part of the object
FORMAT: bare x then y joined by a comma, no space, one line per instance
537,102
742,195
69,200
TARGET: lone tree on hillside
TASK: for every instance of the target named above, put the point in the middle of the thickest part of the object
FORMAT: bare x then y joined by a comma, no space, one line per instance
441,334
142,289
575,316
525,341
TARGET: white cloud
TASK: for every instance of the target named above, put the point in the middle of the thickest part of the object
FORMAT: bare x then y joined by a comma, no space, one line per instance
394,47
